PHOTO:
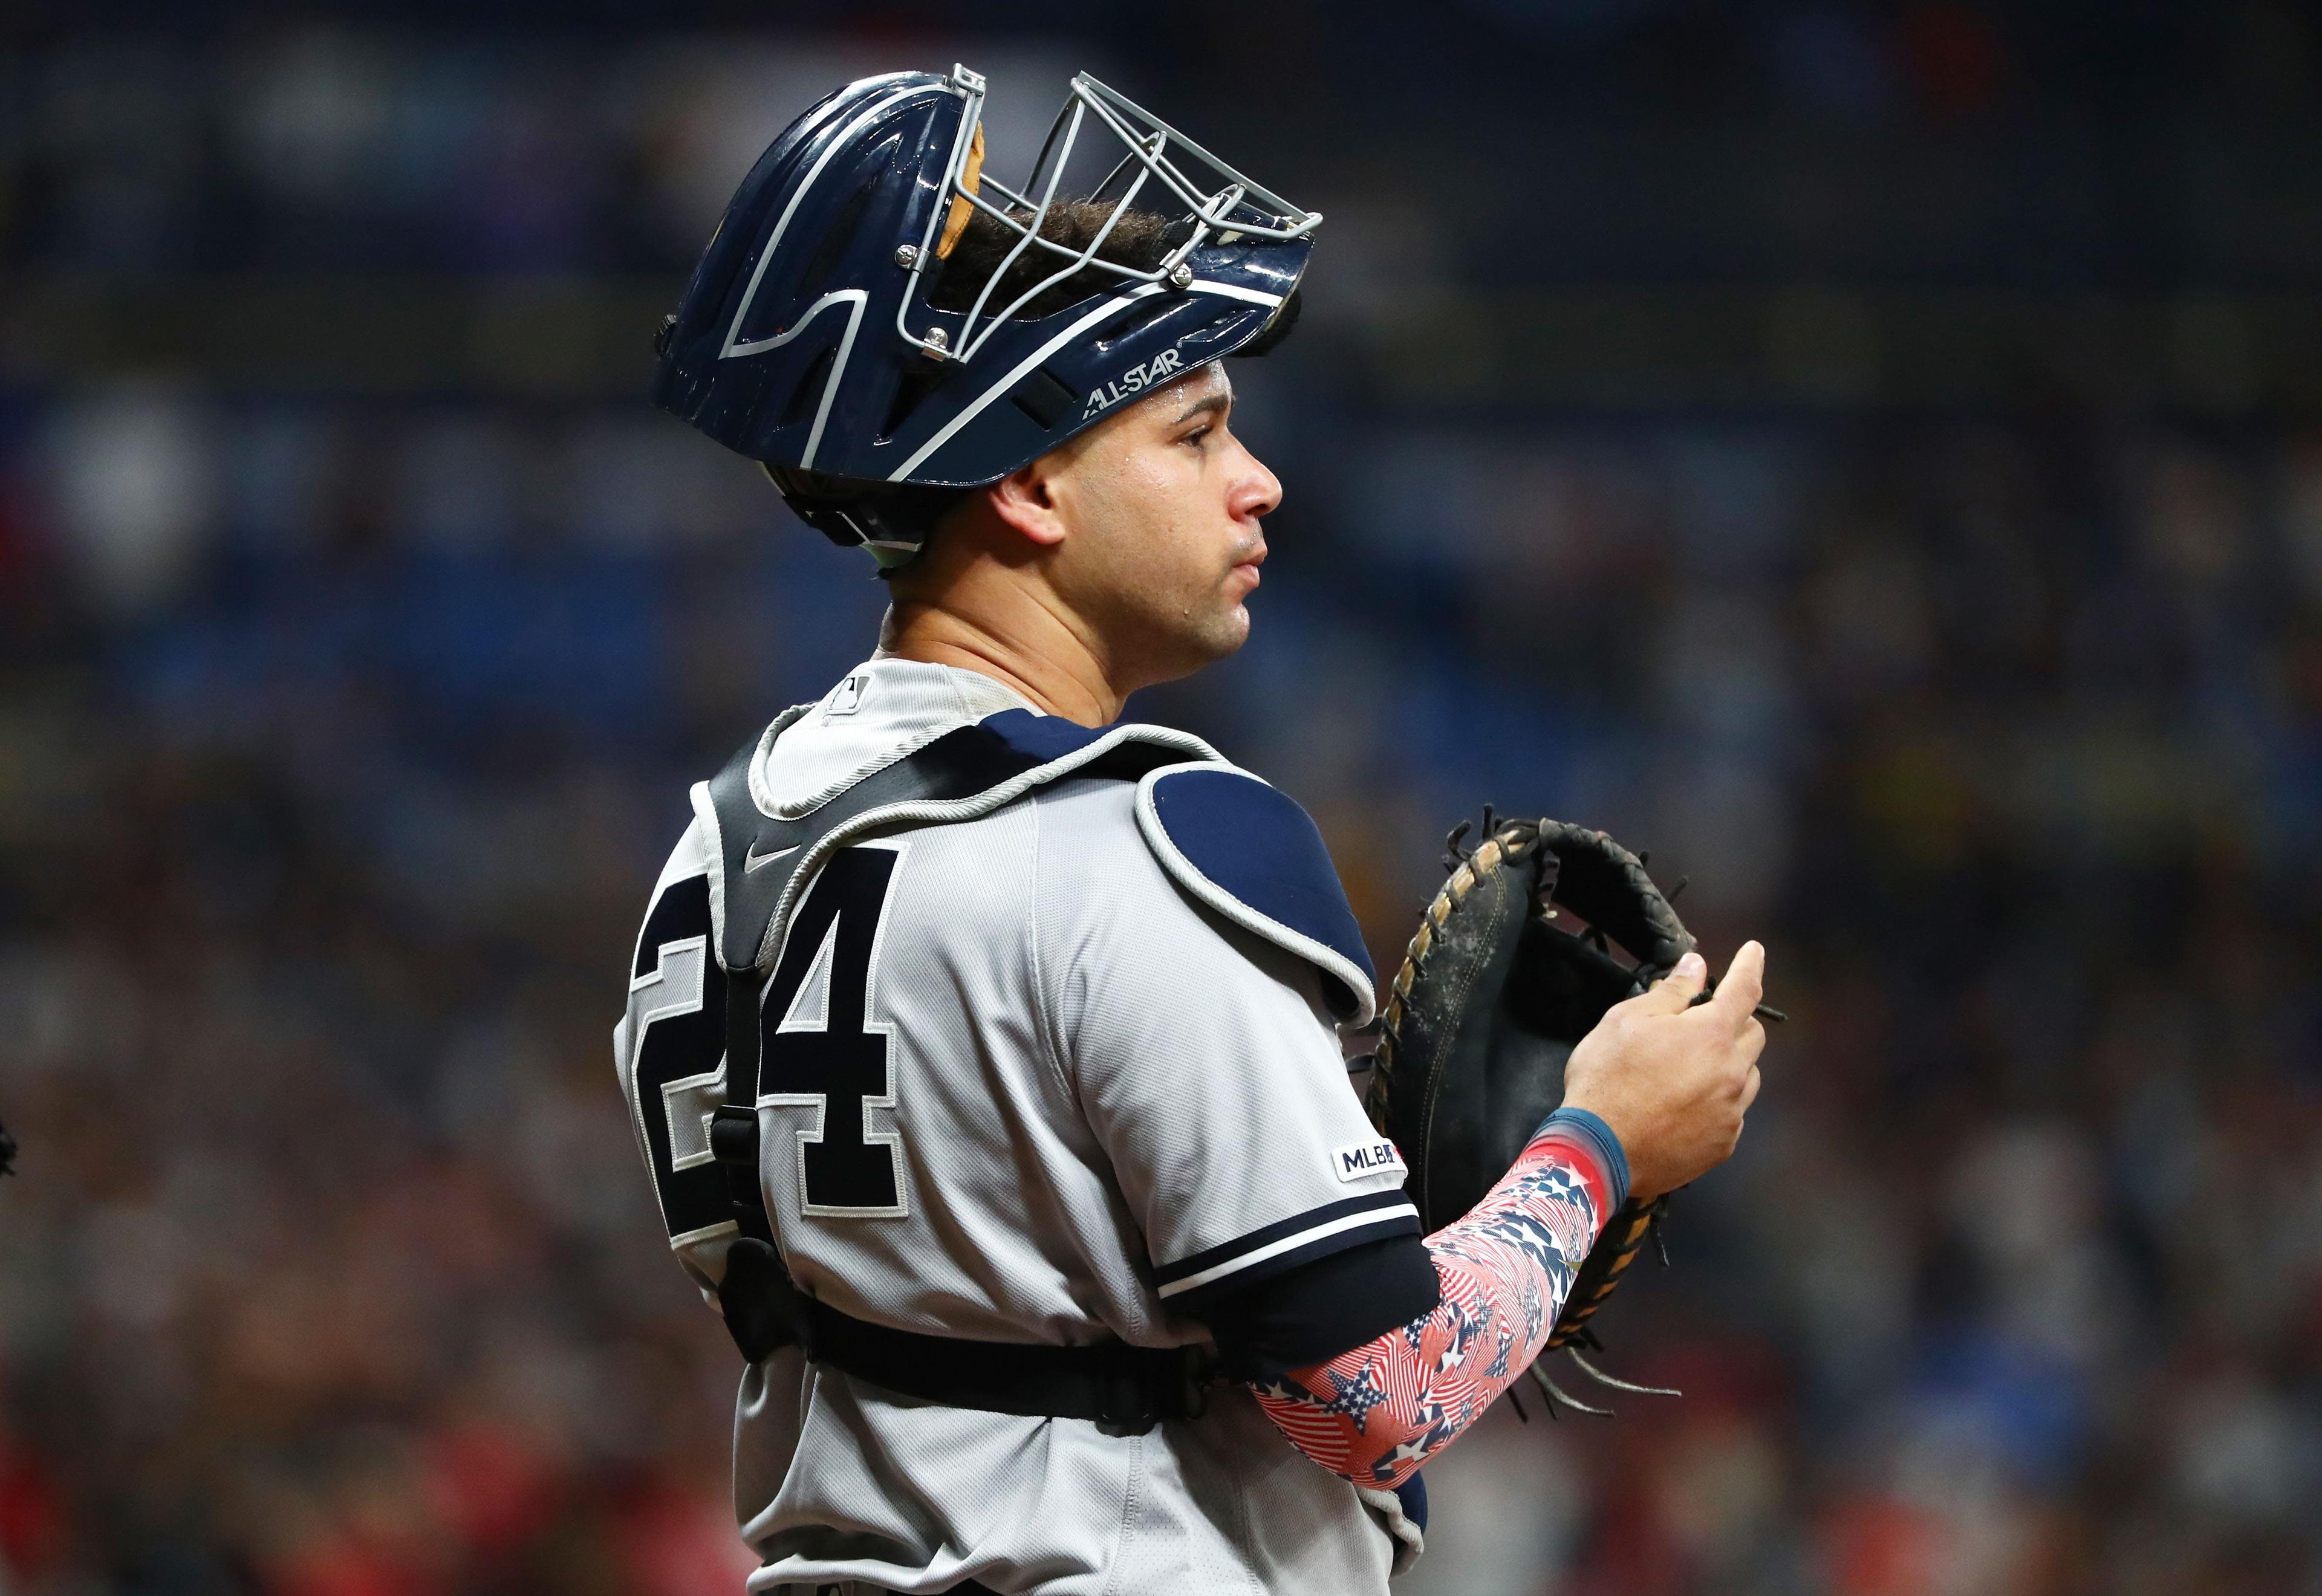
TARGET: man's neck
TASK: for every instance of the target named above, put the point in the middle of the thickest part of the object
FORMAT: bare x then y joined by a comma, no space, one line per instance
1064,680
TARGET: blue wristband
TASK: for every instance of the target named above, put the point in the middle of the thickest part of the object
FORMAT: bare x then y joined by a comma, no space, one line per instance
1600,1137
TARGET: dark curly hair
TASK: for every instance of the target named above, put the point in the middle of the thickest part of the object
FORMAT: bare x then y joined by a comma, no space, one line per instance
1141,238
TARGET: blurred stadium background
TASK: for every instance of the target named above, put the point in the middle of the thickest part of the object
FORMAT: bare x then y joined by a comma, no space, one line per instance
1869,454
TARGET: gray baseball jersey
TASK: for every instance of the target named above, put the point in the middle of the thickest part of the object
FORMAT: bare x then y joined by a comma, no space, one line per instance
1102,1089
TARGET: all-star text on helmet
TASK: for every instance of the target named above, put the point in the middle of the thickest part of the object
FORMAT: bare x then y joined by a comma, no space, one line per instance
819,335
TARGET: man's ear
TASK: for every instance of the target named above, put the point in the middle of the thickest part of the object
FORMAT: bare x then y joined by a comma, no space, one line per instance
1024,500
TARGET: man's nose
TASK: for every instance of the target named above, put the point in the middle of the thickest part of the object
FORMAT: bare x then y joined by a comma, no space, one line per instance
1259,492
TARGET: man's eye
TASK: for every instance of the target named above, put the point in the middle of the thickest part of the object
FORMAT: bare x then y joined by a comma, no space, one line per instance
1197,434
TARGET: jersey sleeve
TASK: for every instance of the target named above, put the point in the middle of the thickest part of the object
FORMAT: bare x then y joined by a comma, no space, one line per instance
1206,1060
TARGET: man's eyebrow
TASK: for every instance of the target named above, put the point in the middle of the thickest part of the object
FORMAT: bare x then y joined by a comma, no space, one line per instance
1214,403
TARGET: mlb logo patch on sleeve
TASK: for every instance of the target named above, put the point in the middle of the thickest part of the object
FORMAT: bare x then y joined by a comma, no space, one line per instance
1359,1159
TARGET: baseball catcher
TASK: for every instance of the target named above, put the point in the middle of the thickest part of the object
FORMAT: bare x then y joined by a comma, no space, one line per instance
986,1051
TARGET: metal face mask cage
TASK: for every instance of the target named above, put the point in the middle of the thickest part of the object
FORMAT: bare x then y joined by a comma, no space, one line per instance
1223,205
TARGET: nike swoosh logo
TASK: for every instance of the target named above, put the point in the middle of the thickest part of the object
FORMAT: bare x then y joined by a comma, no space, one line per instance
752,859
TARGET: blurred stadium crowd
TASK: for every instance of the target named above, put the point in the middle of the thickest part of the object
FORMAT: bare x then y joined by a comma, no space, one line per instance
345,719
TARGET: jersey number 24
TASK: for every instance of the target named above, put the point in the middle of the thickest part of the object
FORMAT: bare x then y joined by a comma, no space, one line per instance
819,1049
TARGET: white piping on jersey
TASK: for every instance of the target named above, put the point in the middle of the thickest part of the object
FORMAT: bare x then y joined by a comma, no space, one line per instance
1275,1249
1189,876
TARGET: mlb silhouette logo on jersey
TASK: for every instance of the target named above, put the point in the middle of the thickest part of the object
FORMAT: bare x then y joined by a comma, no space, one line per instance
1357,1159
847,697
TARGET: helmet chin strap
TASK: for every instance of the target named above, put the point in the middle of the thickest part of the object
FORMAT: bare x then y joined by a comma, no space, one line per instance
890,526
889,556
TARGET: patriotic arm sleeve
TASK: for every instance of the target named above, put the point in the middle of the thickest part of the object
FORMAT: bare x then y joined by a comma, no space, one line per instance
1374,1414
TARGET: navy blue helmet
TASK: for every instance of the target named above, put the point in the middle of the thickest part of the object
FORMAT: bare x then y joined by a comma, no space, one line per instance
818,336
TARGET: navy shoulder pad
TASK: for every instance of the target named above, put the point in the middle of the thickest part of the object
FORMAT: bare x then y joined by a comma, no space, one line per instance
1247,850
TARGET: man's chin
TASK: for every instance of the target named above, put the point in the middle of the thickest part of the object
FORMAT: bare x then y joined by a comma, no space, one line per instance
1206,645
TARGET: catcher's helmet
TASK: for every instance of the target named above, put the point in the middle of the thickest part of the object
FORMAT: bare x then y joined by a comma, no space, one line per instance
807,341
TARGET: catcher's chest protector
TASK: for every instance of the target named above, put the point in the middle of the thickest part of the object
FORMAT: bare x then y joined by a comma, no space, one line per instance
1233,842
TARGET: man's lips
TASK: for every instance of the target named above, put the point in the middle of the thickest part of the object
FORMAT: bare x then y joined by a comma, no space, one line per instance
1250,562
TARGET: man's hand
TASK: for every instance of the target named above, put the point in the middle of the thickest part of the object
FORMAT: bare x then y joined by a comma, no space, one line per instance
1673,1080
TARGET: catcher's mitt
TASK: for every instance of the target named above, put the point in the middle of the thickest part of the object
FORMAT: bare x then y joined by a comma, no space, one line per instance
1514,963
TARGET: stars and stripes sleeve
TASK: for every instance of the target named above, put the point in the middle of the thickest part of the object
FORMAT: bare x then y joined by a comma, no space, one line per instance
1374,1414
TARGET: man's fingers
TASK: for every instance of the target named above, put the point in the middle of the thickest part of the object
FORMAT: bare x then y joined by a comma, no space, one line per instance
1749,1089
1676,990
1744,984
